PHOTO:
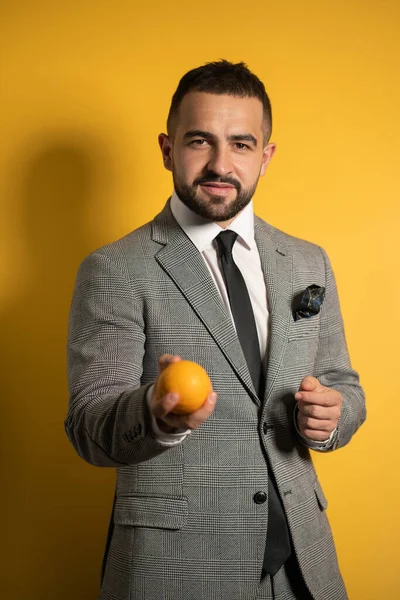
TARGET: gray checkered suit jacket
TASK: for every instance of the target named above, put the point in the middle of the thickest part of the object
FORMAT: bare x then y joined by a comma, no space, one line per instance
185,524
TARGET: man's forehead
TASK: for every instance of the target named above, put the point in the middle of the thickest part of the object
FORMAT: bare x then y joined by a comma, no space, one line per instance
219,108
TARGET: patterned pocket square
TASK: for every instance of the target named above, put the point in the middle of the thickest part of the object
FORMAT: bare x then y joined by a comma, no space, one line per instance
308,303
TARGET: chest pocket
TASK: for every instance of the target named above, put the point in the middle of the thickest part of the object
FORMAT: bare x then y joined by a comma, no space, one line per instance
304,328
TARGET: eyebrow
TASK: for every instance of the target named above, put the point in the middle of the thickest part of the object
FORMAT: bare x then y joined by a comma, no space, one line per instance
207,135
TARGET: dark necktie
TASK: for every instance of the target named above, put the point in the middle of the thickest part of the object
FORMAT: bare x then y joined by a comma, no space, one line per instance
277,549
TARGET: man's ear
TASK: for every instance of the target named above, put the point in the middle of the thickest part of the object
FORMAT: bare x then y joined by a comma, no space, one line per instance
166,150
268,153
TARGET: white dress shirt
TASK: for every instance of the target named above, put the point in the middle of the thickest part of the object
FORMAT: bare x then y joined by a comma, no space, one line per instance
245,254
202,233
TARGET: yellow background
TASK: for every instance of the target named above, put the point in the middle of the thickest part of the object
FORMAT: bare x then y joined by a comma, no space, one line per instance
84,90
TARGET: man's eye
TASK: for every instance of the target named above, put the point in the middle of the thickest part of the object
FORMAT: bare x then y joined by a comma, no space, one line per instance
241,146
198,142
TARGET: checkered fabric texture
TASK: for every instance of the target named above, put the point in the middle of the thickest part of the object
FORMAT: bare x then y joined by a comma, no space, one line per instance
185,524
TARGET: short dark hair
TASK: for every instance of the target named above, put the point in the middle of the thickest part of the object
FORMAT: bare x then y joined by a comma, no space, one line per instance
222,77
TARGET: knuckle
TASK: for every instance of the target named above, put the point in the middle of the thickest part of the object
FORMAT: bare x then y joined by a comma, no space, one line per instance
302,421
309,423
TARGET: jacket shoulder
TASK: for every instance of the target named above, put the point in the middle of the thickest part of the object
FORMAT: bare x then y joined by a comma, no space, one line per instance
283,238
306,256
130,248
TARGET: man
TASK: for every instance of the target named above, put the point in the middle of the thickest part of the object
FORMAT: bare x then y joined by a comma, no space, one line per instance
222,504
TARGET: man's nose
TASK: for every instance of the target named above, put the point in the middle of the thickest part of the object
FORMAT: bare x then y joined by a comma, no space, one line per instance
220,161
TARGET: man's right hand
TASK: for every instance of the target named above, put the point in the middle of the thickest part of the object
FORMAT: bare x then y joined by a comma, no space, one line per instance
161,407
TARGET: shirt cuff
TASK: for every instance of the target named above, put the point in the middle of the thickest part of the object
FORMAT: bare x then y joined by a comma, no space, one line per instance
314,444
165,439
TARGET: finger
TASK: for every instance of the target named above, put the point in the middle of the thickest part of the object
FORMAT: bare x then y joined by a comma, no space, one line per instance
310,383
198,417
317,425
320,430
167,359
163,406
195,419
316,411
326,398
317,436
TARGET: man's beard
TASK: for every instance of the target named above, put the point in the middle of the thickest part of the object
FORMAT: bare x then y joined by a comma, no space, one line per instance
214,209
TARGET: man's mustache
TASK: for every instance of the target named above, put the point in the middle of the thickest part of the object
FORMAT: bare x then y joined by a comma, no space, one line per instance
213,178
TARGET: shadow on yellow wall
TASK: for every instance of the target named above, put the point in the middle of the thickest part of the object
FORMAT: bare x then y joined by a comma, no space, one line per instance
45,490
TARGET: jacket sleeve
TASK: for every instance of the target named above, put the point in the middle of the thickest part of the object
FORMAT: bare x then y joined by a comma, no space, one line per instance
108,420
333,368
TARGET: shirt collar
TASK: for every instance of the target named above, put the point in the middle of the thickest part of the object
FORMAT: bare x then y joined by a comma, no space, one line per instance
202,232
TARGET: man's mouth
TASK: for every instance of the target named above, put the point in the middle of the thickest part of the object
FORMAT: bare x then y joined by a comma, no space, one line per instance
218,189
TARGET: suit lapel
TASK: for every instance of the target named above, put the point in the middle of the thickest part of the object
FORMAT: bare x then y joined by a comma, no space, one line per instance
276,263
183,263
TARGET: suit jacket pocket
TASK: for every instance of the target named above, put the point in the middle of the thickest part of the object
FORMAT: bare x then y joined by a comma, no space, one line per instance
304,328
321,498
162,512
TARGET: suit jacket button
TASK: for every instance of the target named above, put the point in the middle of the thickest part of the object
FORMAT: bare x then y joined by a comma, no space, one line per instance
260,497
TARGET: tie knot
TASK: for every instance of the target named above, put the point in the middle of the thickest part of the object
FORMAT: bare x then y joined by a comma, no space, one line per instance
225,241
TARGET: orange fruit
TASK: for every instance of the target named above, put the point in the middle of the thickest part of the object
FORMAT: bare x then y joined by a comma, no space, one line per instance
189,380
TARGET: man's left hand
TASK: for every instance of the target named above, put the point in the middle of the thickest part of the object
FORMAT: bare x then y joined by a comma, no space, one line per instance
319,409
